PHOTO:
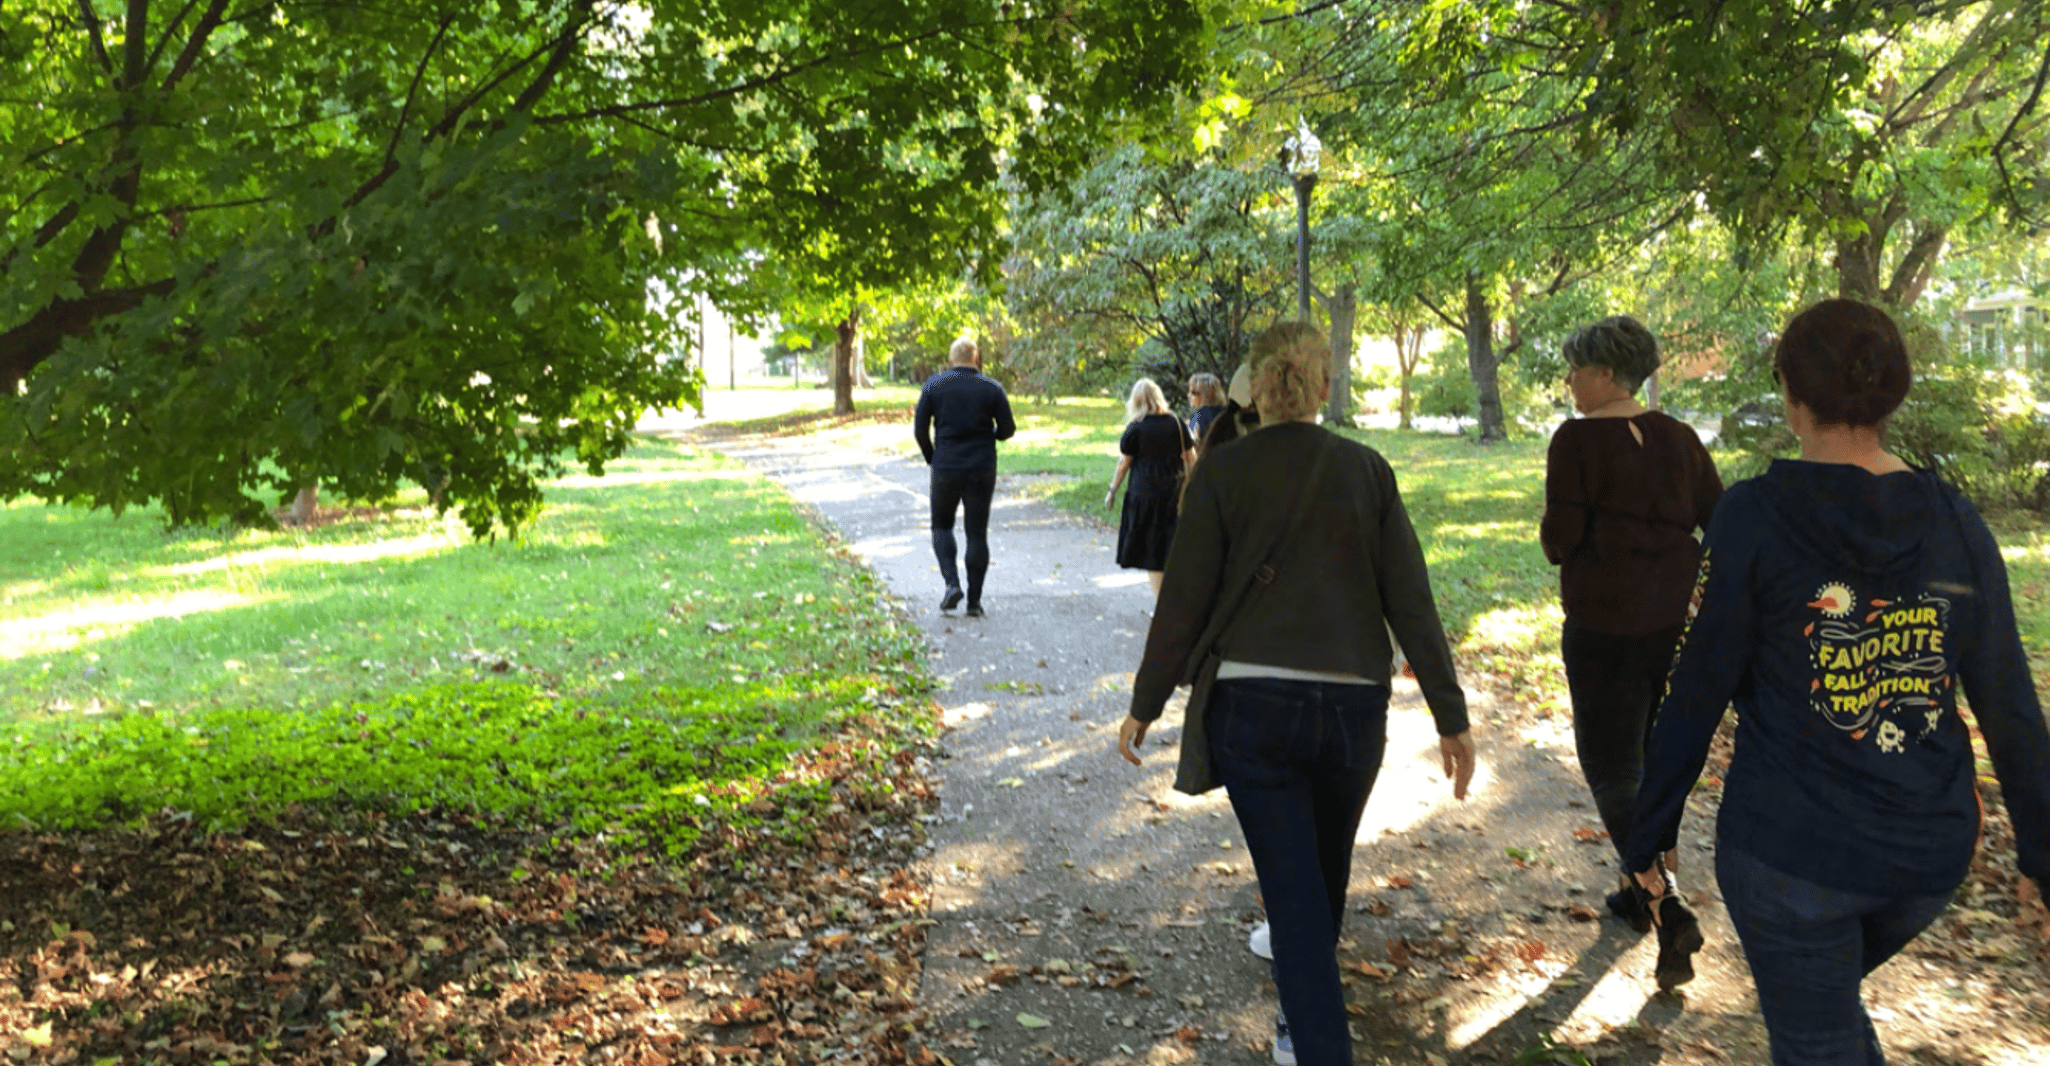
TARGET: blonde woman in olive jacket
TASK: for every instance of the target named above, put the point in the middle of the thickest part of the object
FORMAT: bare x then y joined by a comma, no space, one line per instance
1282,627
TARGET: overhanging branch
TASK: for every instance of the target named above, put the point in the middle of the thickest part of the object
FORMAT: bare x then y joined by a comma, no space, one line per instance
94,34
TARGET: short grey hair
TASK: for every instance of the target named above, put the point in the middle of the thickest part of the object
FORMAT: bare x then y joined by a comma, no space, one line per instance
1619,343
962,353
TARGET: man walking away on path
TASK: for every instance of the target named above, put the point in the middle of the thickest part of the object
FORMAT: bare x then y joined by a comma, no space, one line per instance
961,416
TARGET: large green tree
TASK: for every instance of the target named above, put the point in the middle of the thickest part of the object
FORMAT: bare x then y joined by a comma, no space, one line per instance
1878,130
246,246
1181,259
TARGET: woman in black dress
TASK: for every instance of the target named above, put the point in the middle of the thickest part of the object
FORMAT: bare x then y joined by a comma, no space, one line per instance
1156,452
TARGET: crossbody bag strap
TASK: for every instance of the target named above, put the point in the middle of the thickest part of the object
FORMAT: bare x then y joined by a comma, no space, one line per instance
1263,575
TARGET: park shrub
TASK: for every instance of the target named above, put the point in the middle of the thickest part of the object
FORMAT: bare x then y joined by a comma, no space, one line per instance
657,772
1445,389
1982,431
1529,407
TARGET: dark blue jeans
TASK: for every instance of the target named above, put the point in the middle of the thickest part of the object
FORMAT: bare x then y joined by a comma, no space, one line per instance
1810,946
1298,758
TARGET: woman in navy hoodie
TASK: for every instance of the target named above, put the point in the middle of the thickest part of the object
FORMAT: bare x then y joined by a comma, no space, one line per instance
1843,599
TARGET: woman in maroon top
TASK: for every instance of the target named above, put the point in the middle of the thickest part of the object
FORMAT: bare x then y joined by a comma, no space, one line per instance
1625,491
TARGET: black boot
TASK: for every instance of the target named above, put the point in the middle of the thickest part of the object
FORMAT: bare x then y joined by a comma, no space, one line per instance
1633,905
1679,939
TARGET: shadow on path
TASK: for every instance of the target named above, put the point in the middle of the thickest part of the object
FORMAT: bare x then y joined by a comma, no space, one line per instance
1085,912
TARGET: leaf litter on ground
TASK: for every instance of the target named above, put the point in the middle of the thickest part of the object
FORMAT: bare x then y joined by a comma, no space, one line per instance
353,937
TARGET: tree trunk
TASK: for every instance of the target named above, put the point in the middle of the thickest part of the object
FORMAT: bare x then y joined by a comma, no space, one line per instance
1861,260
1482,363
1409,351
304,504
1916,267
1857,268
861,378
843,362
1342,306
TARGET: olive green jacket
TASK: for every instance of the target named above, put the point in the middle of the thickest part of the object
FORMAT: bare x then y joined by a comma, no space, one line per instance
1353,571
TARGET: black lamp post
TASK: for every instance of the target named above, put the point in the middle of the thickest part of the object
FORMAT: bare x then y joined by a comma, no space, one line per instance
1299,158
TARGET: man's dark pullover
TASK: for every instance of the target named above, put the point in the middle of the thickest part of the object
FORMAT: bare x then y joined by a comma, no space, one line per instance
1354,571
960,418
1841,610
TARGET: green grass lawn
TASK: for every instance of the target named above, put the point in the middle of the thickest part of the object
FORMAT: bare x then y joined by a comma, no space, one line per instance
678,588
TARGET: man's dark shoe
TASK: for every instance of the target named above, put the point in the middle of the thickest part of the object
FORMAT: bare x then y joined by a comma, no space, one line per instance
1679,939
1633,905
952,599
974,610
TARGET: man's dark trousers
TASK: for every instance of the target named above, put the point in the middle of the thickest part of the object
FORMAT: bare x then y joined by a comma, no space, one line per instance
961,415
969,491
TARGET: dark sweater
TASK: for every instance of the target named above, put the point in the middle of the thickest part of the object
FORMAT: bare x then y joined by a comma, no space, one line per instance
961,416
1354,571
1620,519
1840,610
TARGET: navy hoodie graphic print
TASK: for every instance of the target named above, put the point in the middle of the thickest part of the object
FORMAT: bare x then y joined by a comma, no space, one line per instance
1841,611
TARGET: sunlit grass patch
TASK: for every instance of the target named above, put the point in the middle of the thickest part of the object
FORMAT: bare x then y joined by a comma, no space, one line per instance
2026,551
653,656
1076,439
613,591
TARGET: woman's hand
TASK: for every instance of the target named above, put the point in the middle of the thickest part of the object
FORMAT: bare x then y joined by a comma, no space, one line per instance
1117,478
1459,761
1131,735
1110,498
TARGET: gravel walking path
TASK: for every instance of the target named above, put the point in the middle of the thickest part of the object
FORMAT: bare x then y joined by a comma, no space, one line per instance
1084,912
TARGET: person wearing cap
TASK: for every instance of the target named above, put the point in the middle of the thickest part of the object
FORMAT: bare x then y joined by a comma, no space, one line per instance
1238,418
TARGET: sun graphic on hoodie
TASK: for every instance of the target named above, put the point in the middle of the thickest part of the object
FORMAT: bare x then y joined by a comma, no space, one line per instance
1835,600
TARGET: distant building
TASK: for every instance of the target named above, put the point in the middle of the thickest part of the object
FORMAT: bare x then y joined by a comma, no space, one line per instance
2007,330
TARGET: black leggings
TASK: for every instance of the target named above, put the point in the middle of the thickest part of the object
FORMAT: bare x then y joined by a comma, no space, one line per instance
1616,683
971,491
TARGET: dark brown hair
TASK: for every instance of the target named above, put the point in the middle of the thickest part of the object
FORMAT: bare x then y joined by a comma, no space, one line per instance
1845,361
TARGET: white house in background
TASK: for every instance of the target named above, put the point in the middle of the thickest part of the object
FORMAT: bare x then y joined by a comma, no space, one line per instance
2007,329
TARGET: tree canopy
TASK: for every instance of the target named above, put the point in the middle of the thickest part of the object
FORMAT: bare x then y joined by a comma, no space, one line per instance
251,246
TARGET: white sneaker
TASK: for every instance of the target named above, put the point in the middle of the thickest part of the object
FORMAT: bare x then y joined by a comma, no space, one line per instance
1261,942
1284,1043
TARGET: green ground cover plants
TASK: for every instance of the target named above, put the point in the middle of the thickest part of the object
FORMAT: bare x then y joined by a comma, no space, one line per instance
652,655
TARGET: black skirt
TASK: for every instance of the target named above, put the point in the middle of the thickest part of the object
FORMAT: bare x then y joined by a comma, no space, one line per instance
1146,529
